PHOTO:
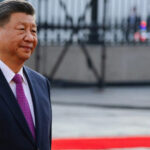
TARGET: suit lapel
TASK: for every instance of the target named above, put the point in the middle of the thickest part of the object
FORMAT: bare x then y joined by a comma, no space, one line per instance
37,111
10,100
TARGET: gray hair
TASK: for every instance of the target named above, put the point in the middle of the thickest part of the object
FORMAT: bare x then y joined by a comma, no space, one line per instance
8,7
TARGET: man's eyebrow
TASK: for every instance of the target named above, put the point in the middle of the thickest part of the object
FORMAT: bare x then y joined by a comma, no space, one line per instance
24,23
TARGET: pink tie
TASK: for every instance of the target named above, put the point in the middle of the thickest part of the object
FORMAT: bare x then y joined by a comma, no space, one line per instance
23,103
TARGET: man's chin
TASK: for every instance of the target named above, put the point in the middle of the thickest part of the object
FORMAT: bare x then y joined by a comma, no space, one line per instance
25,57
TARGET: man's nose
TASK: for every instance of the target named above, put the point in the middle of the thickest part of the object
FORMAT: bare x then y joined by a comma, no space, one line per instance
29,37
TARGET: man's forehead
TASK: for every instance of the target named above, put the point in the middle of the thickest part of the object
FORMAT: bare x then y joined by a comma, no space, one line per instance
23,18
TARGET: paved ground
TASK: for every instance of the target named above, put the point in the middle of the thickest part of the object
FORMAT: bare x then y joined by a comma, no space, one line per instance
91,112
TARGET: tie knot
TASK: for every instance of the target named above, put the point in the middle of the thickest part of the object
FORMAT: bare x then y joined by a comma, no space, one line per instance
17,78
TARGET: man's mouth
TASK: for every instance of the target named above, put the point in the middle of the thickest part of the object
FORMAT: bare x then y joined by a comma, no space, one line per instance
26,47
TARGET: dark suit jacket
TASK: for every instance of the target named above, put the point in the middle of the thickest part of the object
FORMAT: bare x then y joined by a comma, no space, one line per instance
14,132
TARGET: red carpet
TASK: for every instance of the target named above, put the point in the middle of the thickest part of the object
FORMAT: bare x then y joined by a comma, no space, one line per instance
100,143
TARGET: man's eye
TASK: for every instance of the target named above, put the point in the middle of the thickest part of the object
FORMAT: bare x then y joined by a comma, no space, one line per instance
34,31
22,29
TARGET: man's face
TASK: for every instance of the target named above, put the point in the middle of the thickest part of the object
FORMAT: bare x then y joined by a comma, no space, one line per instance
18,38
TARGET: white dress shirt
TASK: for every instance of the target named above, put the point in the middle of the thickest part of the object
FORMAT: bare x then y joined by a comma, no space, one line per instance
9,74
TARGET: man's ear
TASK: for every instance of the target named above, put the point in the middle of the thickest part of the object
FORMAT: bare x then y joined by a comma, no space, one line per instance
1,27
1,32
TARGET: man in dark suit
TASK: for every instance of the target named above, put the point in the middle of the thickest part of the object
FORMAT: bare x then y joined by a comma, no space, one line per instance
133,24
25,107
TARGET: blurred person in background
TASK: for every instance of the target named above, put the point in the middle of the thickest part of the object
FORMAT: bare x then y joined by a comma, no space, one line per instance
25,107
133,24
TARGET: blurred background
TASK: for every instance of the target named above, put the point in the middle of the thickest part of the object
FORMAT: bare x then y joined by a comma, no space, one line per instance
96,55
93,42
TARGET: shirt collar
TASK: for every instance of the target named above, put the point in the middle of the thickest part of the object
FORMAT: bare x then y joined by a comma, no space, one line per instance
9,74
22,75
